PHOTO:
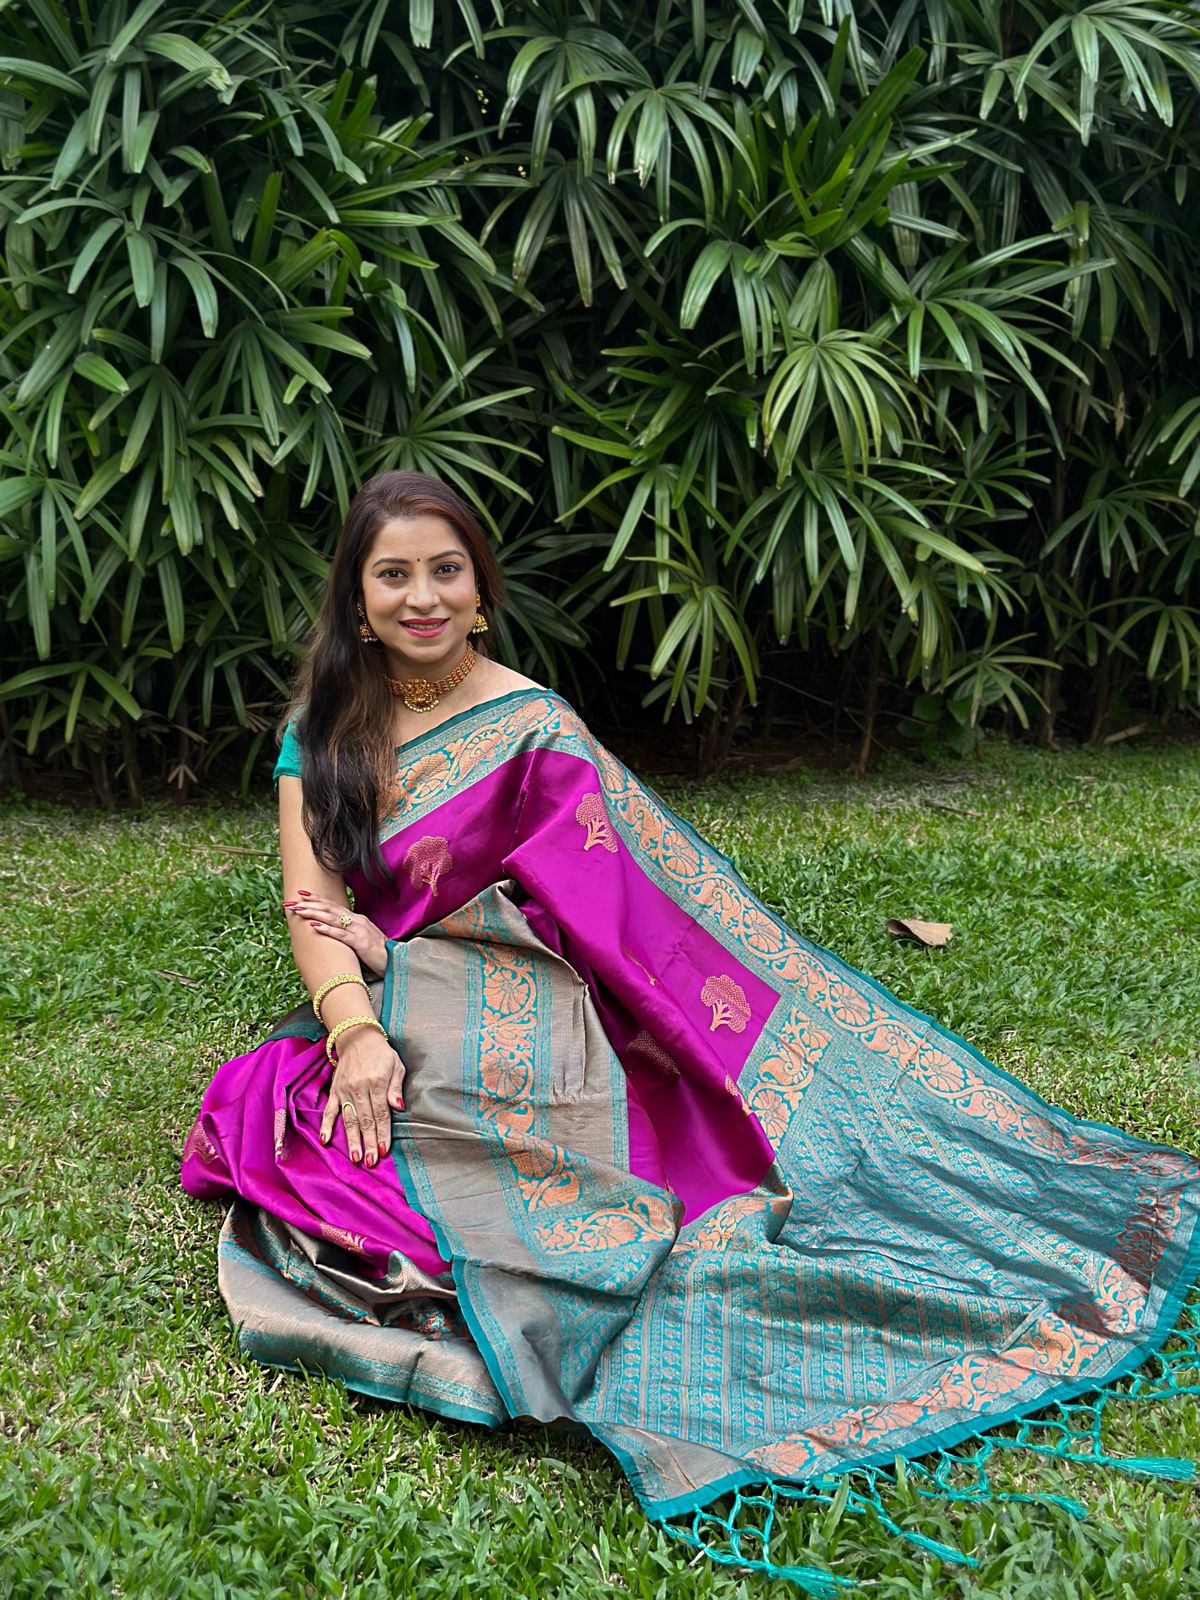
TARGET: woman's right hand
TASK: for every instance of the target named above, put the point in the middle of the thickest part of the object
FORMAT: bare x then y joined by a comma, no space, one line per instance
368,1084
335,920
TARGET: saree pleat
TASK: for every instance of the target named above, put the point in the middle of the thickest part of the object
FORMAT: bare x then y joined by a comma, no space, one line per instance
667,1170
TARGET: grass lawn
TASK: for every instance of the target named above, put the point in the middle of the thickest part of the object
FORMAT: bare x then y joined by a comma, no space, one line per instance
141,1455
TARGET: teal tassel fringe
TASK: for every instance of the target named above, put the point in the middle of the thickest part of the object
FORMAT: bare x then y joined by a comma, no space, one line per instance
739,1532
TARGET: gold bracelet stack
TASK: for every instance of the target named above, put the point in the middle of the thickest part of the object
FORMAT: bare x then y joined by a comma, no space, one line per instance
342,1027
334,983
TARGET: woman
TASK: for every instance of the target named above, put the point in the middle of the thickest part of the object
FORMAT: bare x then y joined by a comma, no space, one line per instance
608,1142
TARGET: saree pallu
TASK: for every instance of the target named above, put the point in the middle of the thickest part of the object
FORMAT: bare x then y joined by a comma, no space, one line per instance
667,1170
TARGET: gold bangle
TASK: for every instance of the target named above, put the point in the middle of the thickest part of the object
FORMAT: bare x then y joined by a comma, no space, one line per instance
350,1022
334,983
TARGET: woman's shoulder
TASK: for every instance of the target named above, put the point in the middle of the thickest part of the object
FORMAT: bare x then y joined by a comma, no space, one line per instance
494,679
504,693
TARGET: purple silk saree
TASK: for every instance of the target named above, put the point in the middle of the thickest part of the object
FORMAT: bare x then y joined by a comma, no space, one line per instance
667,1170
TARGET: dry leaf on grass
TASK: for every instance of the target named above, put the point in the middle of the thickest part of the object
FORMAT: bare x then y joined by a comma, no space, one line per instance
934,934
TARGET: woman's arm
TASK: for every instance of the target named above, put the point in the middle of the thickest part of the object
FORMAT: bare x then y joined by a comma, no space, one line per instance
369,1074
315,898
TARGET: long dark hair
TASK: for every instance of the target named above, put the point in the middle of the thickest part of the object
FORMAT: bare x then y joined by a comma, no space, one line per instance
341,706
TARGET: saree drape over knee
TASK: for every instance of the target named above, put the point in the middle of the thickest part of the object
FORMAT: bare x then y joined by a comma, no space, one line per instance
667,1169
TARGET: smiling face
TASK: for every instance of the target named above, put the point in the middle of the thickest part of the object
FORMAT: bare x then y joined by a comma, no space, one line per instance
418,588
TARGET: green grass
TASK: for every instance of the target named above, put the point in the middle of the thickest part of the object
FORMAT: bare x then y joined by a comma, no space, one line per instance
141,1455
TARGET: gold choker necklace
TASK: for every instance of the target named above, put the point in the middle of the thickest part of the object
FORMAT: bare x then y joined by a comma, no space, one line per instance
419,694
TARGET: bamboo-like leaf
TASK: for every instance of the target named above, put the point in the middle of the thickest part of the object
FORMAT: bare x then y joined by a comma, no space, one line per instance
293,358
50,359
747,54
102,87
53,418
48,520
682,628
264,222
190,56
101,576
17,492
633,511
523,62
706,272
74,148
74,701
125,36
95,242
104,478
22,71
117,690
142,139
191,156
420,23
22,682
97,370
141,266
172,597
204,291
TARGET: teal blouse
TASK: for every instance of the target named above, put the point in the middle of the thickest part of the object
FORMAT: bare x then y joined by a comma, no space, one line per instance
290,763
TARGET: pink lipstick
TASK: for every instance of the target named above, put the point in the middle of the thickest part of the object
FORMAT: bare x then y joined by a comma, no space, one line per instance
425,630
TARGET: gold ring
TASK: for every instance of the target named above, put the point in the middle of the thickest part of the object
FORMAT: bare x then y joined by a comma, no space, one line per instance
345,920
349,1109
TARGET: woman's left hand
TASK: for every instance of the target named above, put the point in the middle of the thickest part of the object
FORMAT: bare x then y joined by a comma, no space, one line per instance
331,921
368,1084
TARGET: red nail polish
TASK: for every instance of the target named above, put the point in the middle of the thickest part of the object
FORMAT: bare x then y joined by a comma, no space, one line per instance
355,1156
382,1148
305,893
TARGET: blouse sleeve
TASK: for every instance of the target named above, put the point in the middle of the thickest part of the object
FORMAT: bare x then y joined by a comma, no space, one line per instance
290,762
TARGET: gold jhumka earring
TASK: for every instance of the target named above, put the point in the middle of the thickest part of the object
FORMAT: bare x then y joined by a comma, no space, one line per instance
481,622
365,631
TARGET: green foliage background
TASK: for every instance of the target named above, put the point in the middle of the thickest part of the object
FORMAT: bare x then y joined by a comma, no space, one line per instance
805,341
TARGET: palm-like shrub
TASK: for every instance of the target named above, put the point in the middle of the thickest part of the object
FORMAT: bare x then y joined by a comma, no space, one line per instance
760,336
230,291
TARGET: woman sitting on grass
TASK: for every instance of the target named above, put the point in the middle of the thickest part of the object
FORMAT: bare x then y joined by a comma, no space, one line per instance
576,1128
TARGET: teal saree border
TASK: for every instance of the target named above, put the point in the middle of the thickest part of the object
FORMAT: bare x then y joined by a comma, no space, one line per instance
471,711
374,1391
420,1394
457,1267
